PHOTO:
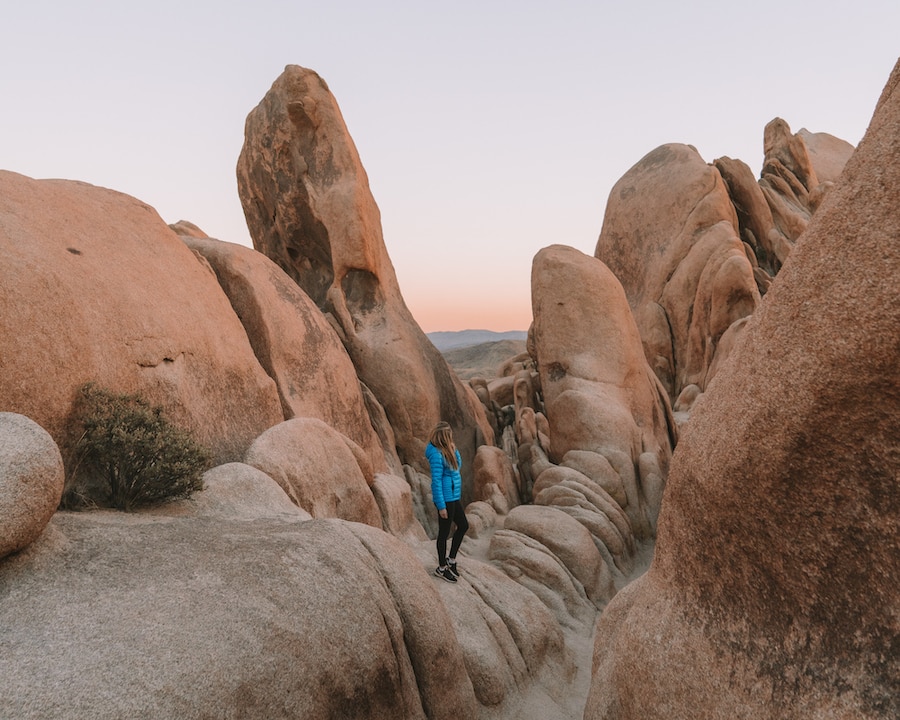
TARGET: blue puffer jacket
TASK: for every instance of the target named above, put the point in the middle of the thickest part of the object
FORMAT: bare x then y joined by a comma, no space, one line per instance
446,483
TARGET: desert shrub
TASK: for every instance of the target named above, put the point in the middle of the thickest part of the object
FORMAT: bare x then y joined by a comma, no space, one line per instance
138,456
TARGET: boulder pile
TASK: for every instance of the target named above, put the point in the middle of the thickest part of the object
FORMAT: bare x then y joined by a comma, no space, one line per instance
718,382
773,592
696,245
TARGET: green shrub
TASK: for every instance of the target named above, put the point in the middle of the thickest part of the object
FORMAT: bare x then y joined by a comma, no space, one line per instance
137,455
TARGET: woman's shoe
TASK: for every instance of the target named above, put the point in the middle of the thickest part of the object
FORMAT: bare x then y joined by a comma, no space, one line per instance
445,574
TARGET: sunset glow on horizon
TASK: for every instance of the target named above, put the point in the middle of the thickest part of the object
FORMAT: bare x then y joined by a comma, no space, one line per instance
469,316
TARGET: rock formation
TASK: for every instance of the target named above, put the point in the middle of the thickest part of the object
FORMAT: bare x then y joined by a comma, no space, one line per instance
308,205
31,481
497,391
295,584
593,433
321,470
570,545
235,603
695,245
774,588
295,344
96,287
670,235
798,171
610,427
258,617
264,625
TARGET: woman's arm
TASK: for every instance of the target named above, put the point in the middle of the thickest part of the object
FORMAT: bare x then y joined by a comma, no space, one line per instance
436,461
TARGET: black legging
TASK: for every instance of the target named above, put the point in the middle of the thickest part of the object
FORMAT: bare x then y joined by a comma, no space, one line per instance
455,514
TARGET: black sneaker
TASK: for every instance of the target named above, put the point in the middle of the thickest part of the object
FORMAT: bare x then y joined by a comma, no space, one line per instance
452,567
445,574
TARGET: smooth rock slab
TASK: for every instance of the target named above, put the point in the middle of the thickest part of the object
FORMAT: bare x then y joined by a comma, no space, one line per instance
114,615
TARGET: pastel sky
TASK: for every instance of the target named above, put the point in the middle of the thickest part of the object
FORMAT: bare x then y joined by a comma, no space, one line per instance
488,129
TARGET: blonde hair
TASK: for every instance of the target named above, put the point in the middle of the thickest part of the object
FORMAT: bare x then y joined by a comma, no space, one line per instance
442,439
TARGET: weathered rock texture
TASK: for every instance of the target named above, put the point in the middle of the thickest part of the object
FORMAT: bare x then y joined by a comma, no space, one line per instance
204,617
515,650
31,481
670,235
695,245
321,470
594,434
308,205
294,343
774,590
95,287
609,418
238,605
569,541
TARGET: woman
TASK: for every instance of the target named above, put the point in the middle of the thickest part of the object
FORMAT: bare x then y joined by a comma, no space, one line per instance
446,485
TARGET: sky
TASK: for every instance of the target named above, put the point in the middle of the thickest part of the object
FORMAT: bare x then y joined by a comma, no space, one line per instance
488,130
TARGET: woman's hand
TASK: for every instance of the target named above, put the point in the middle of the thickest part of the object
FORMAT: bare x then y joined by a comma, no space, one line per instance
443,513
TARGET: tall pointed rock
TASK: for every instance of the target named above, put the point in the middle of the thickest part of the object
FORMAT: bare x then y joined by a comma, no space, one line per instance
308,206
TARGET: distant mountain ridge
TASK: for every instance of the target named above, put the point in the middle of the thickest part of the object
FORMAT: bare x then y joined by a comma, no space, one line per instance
449,340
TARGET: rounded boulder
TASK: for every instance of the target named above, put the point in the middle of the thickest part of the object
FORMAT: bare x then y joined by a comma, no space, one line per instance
319,469
31,481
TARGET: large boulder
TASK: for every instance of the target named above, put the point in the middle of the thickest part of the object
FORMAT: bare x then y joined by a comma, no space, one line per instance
773,592
671,237
308,206
594,433
31,481
294,343
600,394
113,615
234,603
321,470
96,287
